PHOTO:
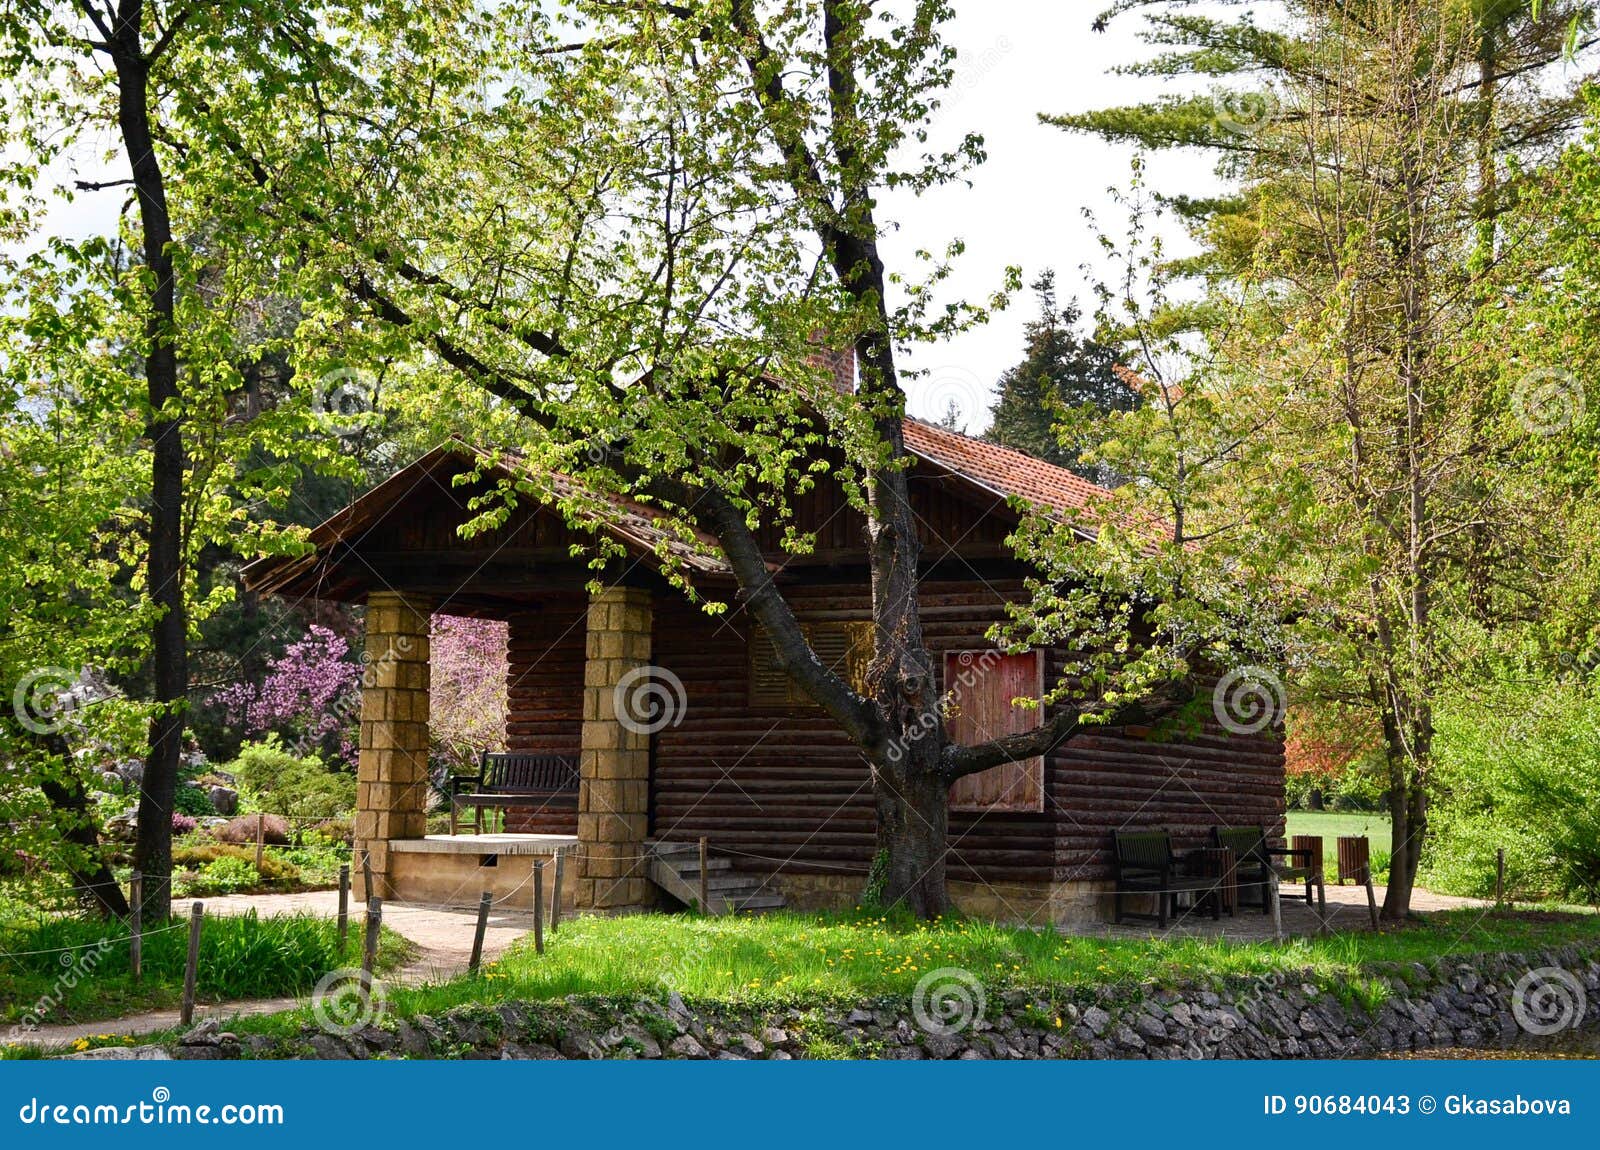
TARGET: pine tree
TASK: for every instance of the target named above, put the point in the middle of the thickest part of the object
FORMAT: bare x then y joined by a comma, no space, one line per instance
1061,372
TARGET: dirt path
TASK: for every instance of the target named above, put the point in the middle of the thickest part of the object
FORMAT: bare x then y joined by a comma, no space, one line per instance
442,938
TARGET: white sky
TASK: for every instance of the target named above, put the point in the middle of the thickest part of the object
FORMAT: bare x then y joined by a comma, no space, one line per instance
1017,58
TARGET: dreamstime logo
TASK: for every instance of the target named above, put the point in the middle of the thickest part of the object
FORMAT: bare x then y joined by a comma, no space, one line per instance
345,400
1243,113
347,1000
948,1000
1548,401
46,698
1248,700
953,397
648,699
1548,1000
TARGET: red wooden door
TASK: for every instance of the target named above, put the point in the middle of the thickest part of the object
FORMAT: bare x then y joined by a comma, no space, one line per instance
979,689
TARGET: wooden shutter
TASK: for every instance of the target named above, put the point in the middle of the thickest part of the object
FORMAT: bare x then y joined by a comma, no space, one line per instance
846,648
979,687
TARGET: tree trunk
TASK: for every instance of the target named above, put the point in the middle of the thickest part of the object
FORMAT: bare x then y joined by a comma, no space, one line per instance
169,655
912,807
92,880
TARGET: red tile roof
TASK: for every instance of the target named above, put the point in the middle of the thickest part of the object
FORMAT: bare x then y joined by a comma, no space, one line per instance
1003,470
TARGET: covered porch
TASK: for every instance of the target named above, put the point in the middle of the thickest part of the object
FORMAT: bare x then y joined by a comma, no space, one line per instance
572,653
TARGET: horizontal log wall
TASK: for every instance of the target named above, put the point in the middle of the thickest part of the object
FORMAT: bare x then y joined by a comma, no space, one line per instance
785,783
544,699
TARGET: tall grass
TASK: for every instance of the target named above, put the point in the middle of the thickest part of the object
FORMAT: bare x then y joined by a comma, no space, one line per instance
241,956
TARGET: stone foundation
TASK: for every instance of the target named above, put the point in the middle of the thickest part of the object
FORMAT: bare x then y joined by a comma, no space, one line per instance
456,872
1028,904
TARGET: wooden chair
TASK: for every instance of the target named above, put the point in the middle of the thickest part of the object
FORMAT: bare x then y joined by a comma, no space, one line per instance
1145,864
1257,862
512,779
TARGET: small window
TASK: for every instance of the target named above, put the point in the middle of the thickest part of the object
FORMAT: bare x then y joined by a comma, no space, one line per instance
844,647
979,687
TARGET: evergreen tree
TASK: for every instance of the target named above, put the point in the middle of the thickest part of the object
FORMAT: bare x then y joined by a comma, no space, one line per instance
1061,373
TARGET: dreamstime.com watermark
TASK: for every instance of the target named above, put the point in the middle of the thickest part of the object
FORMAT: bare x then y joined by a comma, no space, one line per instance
649,699
1548,1000
47,698
346,1001
1248,700
159,1110
80,965
1548,400
948,1001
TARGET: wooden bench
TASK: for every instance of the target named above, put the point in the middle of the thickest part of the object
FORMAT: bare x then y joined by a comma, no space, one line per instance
512,779
1257,862
1145,864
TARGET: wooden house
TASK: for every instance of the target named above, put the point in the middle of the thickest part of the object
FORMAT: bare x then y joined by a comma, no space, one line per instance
738,756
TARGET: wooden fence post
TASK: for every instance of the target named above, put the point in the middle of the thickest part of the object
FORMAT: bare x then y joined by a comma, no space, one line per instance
261,838
1499,878
344,907
705,877
366,875
485,901
538,907
136,926
1372,897
555,891
369,947
1277,904
191,969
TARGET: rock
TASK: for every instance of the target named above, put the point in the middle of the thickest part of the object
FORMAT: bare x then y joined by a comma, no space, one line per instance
749,1044
329,1049
1150,1028
529,1052
780,1056
1126,1038
581,1044
1096,1020
942,1046
684,1046
859,1017
225,800
775,1036
412,1041
203,1035
120,1054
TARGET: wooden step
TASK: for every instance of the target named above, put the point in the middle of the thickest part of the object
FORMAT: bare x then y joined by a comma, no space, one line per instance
675,868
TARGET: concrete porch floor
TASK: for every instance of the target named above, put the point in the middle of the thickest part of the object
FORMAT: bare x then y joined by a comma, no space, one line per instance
1347,913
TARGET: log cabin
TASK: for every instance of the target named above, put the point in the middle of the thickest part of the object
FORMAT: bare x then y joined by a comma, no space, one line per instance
718,745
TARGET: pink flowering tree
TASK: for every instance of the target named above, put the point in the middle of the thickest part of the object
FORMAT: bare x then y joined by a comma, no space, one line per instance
468,711
310,697
311,694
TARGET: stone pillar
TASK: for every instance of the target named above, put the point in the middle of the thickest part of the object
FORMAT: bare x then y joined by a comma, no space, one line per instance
392,774
614,766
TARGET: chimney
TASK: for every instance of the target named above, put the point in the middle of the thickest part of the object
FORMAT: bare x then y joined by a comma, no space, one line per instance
838,363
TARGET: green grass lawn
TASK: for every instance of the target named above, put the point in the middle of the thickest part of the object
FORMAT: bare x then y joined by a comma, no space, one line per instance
816,958
1334,825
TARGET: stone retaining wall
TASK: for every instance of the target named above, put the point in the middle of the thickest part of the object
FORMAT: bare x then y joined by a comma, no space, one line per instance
1462,1002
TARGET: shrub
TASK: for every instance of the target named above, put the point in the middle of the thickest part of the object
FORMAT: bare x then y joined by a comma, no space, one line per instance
243,830
295,787
192,800
216,868
337,830
182,824
1521,771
